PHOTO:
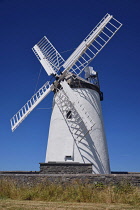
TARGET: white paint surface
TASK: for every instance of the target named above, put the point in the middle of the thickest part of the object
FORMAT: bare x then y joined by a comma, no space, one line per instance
92,148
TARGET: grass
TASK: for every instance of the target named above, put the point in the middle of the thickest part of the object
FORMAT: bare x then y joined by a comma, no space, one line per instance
77,192
42,205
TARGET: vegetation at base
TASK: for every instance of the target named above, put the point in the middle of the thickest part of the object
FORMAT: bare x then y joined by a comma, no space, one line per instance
76,192
42,205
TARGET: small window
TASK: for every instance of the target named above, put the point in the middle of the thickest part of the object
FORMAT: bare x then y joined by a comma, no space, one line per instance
68,158
69,115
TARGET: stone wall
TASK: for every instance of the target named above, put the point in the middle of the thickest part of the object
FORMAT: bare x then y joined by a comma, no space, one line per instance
63,173
36,178
65,168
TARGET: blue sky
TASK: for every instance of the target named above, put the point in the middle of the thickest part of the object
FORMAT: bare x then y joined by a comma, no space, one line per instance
66,23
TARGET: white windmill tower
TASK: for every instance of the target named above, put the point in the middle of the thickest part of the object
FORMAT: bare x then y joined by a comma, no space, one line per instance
76,128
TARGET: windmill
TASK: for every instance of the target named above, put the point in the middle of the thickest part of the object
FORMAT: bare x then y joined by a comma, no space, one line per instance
76,131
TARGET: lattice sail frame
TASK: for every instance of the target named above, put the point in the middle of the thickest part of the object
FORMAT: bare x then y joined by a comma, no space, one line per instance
30,105
48,56
75,101
75,122
92,44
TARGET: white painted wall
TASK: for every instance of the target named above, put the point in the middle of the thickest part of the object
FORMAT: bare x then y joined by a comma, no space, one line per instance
92,148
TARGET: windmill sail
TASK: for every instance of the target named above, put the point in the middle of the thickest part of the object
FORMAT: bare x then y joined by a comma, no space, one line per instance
48,56
92,44
30,105
73,119
52,62
89,123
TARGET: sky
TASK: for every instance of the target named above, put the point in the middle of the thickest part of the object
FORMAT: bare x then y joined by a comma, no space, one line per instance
66,23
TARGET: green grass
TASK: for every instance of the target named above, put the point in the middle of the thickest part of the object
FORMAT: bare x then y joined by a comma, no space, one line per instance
77,192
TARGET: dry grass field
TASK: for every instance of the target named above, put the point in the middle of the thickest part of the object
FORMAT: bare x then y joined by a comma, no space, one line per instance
69,196
42,205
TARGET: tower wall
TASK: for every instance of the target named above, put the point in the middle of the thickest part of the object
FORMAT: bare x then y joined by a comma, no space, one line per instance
63,146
